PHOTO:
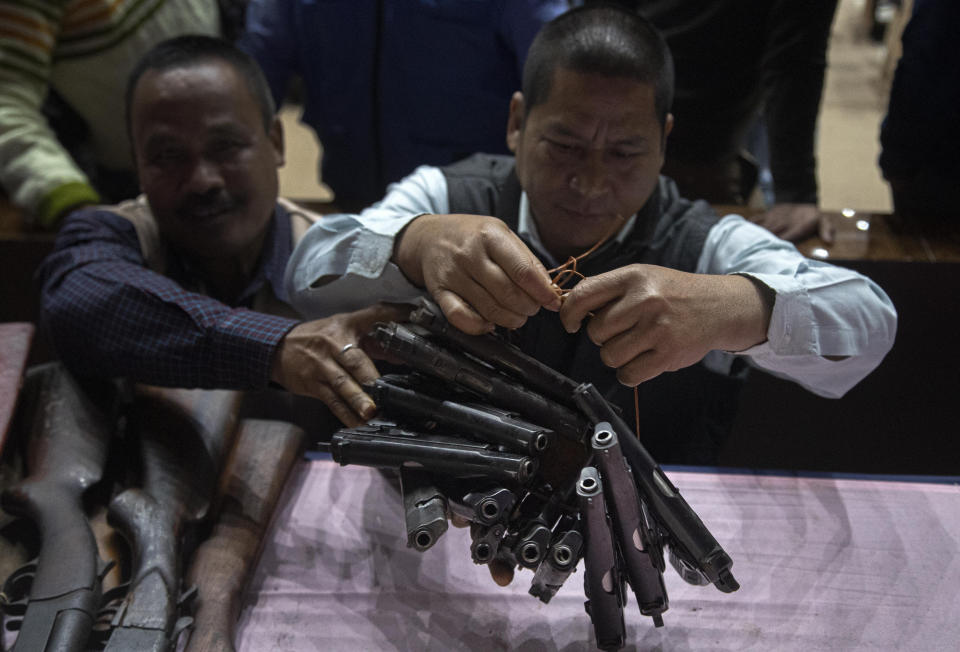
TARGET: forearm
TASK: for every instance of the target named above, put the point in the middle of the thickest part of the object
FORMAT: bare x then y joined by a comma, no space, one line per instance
346,261
109,315
829,326
37,172
159,336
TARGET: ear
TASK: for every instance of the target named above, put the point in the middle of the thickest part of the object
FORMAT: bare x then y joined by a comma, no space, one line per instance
515,121
667,128
275,134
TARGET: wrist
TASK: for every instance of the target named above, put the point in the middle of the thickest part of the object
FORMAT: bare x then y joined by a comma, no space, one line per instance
750,305
406,250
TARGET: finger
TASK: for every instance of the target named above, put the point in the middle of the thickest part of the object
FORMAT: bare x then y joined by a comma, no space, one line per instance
459,313
478,309
346,389
500,571
624,347
336,404
503,290
525,271
356,361
458,521
826,229
644,367
589,295
383,312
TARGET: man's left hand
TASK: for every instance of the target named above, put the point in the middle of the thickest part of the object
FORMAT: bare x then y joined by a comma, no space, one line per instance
649,319
796,222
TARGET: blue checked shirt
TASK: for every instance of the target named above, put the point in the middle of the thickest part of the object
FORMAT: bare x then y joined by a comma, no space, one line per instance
109,315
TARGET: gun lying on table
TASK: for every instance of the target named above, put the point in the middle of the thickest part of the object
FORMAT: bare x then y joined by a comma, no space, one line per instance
254,477
184,436
68,444
618,513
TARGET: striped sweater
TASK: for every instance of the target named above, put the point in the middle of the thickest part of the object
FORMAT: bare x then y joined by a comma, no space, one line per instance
83,49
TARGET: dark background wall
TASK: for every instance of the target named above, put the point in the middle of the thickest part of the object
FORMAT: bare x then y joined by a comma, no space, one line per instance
900,419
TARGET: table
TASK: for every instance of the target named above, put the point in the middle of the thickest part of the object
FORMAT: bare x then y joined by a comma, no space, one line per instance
824,564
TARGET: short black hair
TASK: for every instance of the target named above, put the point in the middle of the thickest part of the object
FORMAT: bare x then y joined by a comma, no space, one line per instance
600,39
184,51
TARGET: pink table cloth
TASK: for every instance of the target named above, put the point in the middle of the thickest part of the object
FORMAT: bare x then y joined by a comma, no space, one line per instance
824,564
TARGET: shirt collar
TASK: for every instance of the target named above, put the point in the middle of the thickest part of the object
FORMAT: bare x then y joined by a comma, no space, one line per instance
277,249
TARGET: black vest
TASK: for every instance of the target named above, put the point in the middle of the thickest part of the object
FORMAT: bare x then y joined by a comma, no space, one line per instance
684,415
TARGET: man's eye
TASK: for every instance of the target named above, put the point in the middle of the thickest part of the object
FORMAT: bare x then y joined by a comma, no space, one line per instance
165,156
564,149
225,148
625,154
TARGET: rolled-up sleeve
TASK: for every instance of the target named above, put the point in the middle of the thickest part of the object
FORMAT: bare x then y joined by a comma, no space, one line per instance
343,261
819,309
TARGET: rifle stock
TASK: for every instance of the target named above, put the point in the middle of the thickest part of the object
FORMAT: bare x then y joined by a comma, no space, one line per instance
222,565
15,339
183,437
67,449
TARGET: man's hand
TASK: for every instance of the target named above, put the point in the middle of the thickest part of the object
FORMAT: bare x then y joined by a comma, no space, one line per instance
478,271
795,222
648,319
311,360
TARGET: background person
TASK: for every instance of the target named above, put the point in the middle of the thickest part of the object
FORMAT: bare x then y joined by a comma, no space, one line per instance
183,286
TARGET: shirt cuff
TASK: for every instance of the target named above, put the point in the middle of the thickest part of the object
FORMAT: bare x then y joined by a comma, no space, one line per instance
792,329
63,198
246,344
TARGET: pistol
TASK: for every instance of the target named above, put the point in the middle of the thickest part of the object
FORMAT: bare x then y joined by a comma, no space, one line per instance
496,352
686,535
601,581
424,508
385,445
561,559
412,345
485,507
395,396
637,541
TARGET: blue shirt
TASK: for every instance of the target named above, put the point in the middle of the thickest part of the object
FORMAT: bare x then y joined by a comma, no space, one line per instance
109,315
392,85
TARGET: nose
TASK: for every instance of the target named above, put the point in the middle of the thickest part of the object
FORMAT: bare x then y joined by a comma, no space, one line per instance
203,177
591,180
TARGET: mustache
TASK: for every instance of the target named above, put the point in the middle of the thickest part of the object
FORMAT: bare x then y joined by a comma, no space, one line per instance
215,201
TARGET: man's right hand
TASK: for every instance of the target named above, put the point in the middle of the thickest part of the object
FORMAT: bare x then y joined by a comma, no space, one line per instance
477,270
311,360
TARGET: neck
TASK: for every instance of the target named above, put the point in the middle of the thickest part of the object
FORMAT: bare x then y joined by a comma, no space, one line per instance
227,277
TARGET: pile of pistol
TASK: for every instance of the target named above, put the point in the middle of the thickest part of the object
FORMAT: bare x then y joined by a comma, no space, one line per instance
544,469
116,508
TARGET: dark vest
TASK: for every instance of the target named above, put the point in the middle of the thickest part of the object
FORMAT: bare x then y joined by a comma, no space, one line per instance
684,415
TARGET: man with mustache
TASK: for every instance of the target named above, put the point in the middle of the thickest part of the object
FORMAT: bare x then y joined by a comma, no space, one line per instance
675,288
184,286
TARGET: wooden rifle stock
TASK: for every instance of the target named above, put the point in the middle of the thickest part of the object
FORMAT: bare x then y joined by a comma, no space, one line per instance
264,454
184,437
67,448
15,339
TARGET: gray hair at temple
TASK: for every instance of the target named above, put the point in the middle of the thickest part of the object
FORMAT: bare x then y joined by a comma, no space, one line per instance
600,39
184,51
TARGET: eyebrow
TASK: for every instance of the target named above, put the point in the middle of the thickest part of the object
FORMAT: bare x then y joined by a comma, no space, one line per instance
557,129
